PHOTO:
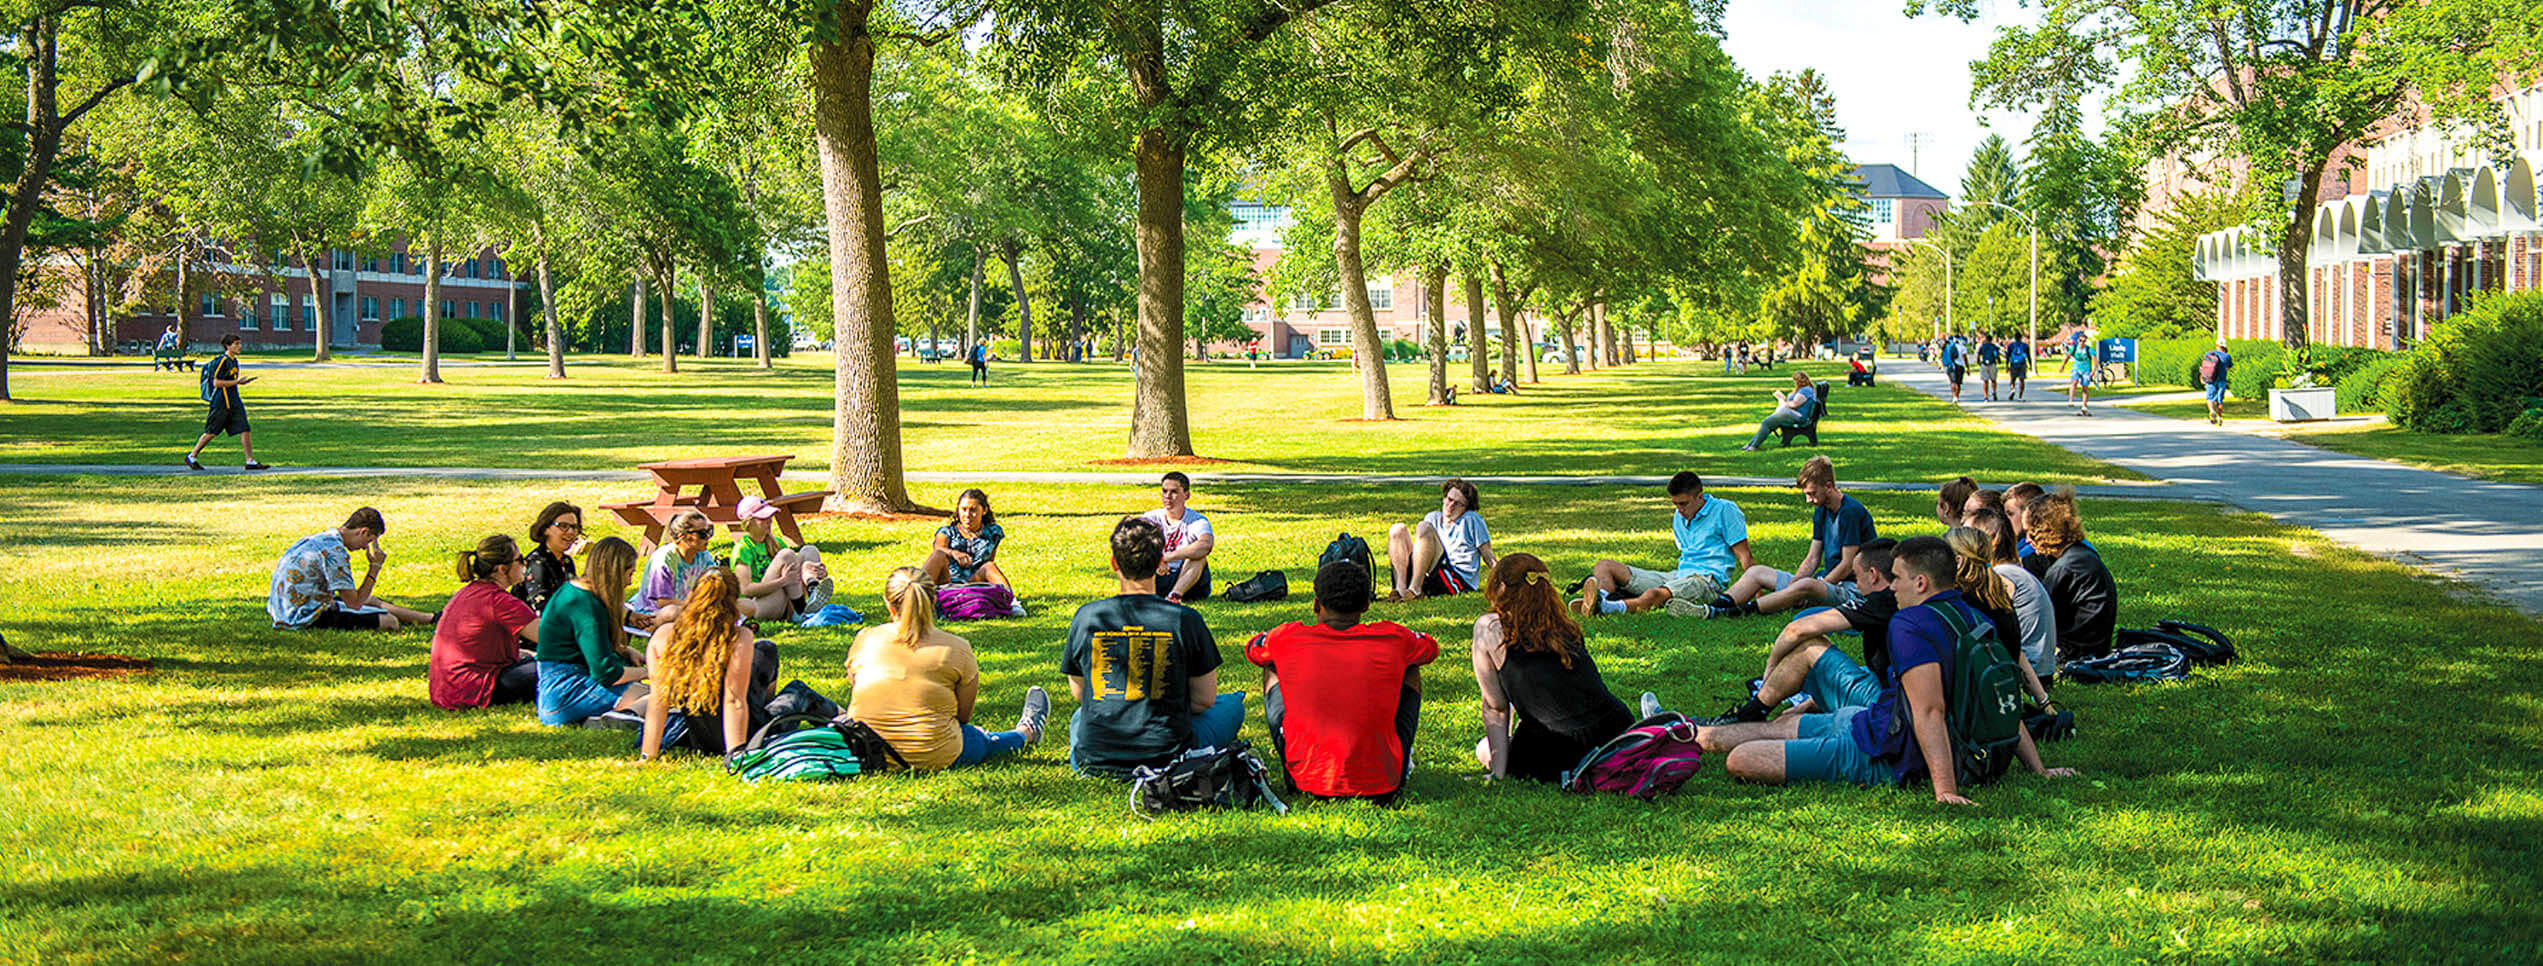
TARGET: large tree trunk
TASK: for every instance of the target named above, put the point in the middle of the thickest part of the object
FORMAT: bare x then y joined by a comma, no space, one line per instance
36,49
2294,243
1513,344
511,320
185,304
432,308
865,416
1435,299
706,319
638,317
317,300
1367,352
1571,348
1160,425
971,317
670,316
547,308
1076,328
1023,306
1606,333
1478,356
759,327
1625,335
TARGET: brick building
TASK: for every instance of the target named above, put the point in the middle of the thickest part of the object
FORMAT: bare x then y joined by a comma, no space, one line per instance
271,307
1902,209
1305,325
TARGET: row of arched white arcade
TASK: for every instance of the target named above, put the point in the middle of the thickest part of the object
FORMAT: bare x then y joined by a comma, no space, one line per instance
2385,265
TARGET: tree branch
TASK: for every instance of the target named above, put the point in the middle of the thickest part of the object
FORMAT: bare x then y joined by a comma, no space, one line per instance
73,115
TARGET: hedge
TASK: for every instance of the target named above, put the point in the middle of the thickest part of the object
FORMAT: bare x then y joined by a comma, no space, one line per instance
2362,389
2257,363
2475,371
407,335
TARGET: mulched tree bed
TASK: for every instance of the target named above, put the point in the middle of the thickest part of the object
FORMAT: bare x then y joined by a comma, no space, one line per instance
67,666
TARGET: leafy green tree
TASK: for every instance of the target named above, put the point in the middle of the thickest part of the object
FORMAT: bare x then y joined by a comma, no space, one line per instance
2282,85
2152,294
1827,292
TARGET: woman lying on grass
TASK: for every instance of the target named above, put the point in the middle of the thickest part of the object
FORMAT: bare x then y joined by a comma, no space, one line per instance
585,667
1530,657
477,659
701,664
967,545
915,685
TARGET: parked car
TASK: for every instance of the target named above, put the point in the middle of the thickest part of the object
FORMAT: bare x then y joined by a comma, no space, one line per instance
1555,357
1331,352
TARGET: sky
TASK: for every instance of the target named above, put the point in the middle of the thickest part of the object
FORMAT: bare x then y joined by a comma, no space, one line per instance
1892,76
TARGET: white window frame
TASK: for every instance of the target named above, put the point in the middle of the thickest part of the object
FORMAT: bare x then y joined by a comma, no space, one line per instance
1332,337
370,308
1884,210
1381,297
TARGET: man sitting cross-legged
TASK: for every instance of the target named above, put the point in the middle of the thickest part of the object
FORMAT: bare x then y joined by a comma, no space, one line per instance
1712,537
1838,526
1342,698
1866,616
1143,668
1853,739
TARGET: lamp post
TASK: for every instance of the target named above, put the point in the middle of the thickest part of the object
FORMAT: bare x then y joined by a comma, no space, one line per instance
1947,291
2035,264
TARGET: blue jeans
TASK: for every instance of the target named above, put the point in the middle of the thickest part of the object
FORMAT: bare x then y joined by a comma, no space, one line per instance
979,746
1776,420
1216,726
567,693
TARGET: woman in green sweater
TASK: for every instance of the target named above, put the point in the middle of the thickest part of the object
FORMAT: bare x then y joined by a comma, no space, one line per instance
586,668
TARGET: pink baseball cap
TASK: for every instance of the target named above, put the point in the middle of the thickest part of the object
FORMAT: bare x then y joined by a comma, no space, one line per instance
754,508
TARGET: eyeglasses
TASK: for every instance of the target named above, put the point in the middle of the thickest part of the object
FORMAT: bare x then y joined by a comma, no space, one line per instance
699,532
562,525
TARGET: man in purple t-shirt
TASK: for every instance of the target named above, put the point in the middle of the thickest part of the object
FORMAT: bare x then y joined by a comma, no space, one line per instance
1851,737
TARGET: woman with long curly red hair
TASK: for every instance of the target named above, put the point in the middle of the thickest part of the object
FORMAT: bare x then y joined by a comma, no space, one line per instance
1532,661
701,664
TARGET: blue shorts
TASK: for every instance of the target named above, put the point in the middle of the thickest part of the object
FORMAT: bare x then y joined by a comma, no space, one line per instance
567,694
1836,682
1824,750
2216,392
2083,377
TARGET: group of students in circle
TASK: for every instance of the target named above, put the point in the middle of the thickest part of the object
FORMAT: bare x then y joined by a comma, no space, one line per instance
1341,693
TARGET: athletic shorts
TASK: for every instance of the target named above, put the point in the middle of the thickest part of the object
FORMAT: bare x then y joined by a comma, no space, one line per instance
1688,591
336,618
1823,746
2017,370
1444,581
1200,588
1956,373
225,419
1987,371
2216,392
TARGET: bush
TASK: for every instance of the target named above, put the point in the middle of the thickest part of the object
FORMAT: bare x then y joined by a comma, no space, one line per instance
2528,426
2475,371
1006,348
457,335
402,334
2175,362
2362,390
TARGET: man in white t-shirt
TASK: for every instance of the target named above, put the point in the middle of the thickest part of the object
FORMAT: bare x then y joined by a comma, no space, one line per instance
1447,552
1185,574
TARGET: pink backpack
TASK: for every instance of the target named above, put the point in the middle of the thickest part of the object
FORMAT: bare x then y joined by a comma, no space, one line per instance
975,602
1648,760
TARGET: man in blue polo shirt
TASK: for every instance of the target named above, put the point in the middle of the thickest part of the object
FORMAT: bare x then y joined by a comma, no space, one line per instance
1712,537
1858,738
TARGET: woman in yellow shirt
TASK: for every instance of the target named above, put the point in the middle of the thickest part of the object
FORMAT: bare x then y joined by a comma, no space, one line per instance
915,684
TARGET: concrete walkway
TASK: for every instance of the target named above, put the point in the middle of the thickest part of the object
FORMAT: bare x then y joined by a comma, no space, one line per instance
2488,533
2143,491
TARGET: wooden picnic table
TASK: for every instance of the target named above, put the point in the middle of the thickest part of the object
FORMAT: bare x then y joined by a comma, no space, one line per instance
716,482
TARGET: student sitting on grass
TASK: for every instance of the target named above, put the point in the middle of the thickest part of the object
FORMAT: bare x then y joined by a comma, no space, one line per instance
779,580
1791,409
1712,538
313,586
586,669
2080,587
1852,739
916,685
1342,698
2031,602
1867,616
1447,552
556,537
1952,500
701,672
676,565
1838,526
967,545
1980,499
1991,593
1188,541
1144,669
1532,660
477,659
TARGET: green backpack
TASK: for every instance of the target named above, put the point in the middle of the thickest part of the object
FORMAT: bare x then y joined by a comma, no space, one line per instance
1983,700
810,748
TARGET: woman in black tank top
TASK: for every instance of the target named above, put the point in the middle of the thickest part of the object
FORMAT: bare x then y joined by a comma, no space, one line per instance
1532,664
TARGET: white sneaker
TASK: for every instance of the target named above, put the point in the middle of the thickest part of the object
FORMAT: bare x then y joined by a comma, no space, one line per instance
1650,704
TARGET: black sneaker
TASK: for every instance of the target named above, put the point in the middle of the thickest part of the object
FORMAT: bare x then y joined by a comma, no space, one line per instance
251,465
193,464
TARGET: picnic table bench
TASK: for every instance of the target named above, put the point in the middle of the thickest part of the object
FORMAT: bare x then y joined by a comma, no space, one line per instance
717,484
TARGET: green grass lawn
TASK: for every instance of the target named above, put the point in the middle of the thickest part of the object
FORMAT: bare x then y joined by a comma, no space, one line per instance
2362,787
1652,418
2236,407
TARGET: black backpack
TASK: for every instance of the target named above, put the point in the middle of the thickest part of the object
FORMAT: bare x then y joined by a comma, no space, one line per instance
1222,776
1267,585
1355,550
2165,652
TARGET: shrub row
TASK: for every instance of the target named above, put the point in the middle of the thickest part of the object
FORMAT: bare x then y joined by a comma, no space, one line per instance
461,336
2476,371
2257,364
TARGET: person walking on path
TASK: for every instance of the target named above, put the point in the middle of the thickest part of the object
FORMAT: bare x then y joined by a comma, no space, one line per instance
980,363
2212,371
2017,365
1988,354
2079,387
228,415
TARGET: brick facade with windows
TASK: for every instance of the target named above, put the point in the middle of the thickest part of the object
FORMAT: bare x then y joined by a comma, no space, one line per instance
270,308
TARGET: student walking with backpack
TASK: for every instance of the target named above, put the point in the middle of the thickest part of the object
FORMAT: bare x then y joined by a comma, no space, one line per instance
979,356
1955,364
228,413
2213,369
1988,356
2017,366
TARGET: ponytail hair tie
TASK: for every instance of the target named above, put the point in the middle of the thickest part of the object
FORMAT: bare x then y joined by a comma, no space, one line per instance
1536,576
467,565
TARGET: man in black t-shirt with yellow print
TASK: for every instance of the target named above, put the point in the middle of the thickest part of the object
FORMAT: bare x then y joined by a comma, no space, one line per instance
228,414
1144,669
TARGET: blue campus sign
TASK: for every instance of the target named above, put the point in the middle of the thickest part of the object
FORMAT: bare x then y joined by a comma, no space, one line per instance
2119,351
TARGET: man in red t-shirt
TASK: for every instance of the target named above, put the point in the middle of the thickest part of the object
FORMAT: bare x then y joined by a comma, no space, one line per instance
1342,698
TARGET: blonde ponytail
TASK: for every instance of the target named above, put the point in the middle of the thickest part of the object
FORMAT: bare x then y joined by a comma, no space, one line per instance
913,602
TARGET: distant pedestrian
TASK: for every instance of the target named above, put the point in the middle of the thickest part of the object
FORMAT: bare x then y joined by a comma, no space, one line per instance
2017,365
2212,372
168,354
2079,386
1955,364
227,414
980,363
1988,355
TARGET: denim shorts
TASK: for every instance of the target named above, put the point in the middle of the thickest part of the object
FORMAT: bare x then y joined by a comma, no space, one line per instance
567,693
2216,392
1823,750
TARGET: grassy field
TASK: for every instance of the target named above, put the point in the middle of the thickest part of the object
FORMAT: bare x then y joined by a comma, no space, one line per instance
2362,787
1653,418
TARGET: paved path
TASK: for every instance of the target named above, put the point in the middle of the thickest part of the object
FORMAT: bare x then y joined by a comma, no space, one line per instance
2153,491
2489,533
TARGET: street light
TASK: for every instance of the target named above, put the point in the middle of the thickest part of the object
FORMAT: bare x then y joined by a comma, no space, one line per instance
1947,294
2035,263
